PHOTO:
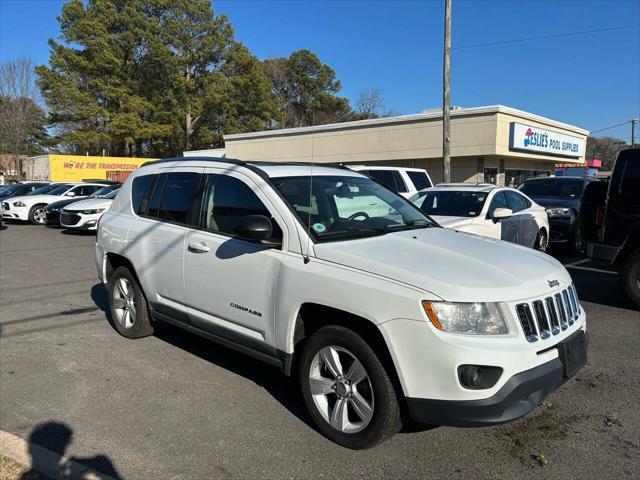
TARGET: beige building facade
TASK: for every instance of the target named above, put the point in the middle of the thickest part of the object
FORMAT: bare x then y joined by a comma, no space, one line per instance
494,144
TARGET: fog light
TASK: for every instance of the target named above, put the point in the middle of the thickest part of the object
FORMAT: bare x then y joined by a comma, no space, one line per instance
478,377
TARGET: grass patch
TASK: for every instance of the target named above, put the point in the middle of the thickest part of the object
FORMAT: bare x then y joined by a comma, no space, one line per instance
12,470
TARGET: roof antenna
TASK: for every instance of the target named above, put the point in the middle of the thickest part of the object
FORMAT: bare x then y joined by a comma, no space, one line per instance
305,257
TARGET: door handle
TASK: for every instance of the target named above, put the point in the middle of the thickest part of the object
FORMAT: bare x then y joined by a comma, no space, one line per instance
198,247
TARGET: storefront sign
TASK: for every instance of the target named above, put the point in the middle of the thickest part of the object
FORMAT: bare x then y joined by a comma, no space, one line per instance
75,168
525,138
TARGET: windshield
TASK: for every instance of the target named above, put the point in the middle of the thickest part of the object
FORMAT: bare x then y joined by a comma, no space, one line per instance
348,206
9,189
450,203
101,193
42,190
553,187
111,195
59,189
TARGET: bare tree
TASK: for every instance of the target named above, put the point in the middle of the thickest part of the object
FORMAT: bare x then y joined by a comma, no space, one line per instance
605,149
19,93
369,103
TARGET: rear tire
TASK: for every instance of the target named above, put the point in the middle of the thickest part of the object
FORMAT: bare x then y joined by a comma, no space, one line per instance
353,402
630,276
37,215
128,305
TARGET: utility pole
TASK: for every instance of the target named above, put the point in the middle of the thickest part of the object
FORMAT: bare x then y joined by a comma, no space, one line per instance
634,122
446,100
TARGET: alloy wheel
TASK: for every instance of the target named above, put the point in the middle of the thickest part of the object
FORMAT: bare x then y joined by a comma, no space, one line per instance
341,389
39,215
124,303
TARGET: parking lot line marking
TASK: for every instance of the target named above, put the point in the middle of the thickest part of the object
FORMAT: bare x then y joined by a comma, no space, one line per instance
579,262
591,269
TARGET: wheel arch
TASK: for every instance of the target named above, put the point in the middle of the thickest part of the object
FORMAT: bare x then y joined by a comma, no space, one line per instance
115,260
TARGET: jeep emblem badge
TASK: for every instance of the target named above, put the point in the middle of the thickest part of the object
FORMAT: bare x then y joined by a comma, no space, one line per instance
553,283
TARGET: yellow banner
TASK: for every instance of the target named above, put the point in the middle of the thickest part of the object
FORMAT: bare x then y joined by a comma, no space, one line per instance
75,168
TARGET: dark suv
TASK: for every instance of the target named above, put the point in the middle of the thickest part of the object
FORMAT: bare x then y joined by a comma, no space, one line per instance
618,239
562,197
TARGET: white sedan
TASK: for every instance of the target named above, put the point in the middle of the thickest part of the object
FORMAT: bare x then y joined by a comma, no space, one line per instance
84,215
497,212
31,207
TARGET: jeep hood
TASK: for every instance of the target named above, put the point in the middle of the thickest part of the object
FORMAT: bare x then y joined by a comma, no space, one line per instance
452,265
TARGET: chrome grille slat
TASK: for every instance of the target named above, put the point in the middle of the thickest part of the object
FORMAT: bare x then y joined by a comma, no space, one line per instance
568,307
541,318
553,315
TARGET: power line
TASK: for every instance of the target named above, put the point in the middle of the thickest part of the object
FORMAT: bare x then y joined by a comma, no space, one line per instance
557,35
609,128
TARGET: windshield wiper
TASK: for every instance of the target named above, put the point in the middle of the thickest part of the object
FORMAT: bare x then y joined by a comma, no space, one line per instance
409,223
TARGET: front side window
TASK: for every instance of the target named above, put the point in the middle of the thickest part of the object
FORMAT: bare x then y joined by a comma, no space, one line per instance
334,207
228,199
498,201
517,202
140,192
451,203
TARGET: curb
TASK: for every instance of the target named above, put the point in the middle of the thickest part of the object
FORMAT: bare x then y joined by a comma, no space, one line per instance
48,463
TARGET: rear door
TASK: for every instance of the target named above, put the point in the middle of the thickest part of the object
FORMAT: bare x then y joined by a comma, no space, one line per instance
524,218
157,239
232,282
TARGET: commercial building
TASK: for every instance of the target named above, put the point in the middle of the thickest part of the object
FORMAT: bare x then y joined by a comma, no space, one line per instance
494,144
75,168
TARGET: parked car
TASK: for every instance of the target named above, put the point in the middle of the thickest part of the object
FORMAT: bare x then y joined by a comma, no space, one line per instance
32,207
561,196
19,189
52,211
369,313
484,209
85,214
403,180
618,241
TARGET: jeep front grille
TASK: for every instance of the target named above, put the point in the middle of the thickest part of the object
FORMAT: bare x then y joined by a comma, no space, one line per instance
544,317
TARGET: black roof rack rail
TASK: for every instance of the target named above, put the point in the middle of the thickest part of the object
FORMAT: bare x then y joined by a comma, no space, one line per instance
208,159
257,164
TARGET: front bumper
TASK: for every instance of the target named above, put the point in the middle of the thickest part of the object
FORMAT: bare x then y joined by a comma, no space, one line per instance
53,217
80,221
561,229
521,394
15,213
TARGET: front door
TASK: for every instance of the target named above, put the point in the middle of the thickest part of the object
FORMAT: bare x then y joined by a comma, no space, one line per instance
504,229
231,283
526,221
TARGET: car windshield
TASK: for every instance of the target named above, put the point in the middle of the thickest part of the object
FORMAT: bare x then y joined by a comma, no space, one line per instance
553,187
42,190
110,195
101,193
348,206
450,203
59,189
9,189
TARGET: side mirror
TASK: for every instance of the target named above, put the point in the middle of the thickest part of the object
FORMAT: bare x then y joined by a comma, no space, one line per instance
500,213
70,194
256,228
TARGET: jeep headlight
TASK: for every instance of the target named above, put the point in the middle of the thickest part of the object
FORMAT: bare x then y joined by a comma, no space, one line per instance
559,212
19,204
467,318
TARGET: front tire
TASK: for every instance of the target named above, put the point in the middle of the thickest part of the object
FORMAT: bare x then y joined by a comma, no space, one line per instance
37,215
577,241
128,305
542,241
630,276
347,390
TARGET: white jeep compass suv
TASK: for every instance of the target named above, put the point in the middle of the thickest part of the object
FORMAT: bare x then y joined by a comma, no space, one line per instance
373,307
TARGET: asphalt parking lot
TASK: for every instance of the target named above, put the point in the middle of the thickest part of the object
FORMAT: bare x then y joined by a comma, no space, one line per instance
175,406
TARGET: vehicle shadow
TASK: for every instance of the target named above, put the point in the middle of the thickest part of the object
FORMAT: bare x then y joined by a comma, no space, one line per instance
601,288
77,232
56,437
284,389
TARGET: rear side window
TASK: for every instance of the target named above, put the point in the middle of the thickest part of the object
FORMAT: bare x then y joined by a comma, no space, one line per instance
140,192
178,195
389,178
419,179
630,185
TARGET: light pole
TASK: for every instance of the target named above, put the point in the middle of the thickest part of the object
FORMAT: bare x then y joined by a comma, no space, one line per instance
446,100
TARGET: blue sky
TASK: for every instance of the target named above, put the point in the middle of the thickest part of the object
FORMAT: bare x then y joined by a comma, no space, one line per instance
590,80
